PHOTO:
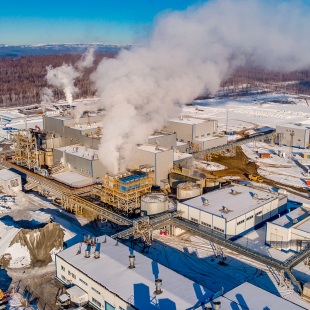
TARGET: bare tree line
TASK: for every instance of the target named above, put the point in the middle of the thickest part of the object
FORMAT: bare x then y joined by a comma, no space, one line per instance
22,79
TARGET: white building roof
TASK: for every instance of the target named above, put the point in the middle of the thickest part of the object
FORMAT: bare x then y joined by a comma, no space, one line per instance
249,296
188,120
73,179
6,174
111,270
76,291
237,205
294,125
153,148
179,156
207,138
80,151
296,215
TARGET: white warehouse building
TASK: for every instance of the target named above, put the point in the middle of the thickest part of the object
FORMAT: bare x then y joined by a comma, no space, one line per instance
10,181
201,133
232,211
112,285
296,135
290,231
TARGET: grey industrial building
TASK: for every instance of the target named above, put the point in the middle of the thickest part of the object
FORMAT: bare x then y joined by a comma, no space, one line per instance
201,133
295,135
232,211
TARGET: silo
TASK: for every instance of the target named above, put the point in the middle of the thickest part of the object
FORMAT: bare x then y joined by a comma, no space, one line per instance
188,190
154,203
41,159
49,160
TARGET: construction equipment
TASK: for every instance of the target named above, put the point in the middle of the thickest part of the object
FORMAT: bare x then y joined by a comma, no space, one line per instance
255,178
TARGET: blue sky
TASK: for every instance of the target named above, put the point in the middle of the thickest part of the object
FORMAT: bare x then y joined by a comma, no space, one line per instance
81,21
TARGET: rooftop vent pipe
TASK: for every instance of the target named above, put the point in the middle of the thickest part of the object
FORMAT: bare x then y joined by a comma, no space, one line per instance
216,305
206,202
87,254
158,283
97,254
131,261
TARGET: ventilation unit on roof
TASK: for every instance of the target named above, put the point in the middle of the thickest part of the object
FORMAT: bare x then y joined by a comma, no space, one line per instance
158,284
206,202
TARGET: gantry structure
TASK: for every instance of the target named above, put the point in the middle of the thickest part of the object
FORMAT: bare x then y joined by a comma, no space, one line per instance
26,153
124,191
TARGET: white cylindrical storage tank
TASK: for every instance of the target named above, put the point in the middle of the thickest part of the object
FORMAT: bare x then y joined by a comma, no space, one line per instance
188,190
154,203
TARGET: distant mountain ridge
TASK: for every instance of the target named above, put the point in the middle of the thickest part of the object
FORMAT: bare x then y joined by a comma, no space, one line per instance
16,51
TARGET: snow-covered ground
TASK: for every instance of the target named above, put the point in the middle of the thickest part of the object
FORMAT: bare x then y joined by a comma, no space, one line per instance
249,111
208,165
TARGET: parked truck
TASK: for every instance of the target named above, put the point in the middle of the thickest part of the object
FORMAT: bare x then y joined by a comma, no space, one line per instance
255,178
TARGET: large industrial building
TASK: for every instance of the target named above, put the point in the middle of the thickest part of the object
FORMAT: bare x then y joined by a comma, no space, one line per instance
102,271
201,134
290,231
232,211
295,135
250,297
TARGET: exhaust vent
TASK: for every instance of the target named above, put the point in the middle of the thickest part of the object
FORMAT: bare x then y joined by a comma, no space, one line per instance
131,262
87,254
216,305
158,284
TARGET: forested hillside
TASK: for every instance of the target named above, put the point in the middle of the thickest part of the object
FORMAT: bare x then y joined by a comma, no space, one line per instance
22,79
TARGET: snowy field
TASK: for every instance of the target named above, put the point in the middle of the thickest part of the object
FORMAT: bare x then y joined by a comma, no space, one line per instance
256,111
262,110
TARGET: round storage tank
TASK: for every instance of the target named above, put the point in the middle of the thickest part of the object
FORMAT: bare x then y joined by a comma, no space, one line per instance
49,160
154,203
188,190
41,159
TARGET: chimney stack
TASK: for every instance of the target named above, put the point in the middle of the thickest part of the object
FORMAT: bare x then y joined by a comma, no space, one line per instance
216,305
97,254
87,254
131,261
158,283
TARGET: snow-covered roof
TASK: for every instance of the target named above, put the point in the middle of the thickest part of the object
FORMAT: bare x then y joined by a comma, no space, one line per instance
208,138
80,151
76,291
6,174
73,179
153,148
87,126
179,156
290,219
238,204
295,125
178,291
188,120
249,296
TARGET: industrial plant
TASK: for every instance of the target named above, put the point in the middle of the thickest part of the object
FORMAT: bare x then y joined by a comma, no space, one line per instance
163,190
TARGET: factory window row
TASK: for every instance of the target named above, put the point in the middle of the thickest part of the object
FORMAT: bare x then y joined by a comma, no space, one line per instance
71,274
259,213
205,224
240,222
250,217
194,220
63,268
96,302
218,229
85,283
121,308
96,291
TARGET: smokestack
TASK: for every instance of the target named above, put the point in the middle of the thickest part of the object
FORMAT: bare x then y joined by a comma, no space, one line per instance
158,283
87,254
216,305
132,261
97,254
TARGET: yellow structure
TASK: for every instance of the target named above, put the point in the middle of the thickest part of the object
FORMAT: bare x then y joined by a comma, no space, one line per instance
124,191
26,153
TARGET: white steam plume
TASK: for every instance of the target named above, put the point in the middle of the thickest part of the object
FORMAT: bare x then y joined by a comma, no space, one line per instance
188,53
87,59
63,78
47,98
